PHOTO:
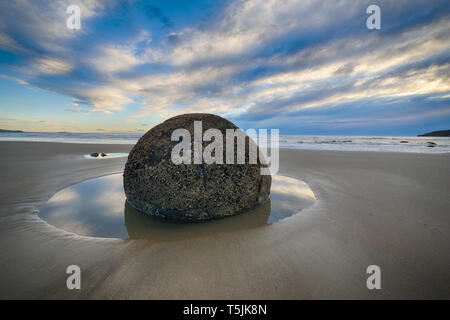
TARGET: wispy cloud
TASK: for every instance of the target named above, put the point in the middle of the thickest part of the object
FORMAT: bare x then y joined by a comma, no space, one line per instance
253,61
31,120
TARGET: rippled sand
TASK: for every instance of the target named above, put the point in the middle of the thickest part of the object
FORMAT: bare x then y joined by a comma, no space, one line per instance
388,209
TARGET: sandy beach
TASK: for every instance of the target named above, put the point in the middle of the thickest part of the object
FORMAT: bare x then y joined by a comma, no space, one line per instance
373,208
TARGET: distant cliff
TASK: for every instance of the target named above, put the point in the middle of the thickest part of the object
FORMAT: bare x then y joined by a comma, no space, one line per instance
441,133
4,130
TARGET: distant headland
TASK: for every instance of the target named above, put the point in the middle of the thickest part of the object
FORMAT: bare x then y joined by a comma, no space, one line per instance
441,133
4,130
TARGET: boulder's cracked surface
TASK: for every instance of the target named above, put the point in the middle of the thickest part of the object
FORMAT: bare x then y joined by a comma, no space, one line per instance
191,192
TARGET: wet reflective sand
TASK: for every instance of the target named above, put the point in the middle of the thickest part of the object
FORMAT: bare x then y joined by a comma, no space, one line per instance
388,209
98,208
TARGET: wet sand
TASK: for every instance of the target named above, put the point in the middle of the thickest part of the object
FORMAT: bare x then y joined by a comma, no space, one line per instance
388,209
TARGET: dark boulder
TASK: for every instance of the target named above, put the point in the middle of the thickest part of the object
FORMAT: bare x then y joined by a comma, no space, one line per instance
157,186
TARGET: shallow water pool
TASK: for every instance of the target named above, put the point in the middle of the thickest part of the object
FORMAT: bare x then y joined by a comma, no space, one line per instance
98,208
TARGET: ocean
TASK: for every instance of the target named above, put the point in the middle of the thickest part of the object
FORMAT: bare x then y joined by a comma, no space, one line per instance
311,142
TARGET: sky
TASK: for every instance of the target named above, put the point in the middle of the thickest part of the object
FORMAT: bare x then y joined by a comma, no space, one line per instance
304,67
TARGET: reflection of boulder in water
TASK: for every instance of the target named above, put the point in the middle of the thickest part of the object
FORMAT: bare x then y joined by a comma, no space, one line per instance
140,225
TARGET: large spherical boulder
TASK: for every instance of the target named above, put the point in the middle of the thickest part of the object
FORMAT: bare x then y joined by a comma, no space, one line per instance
155,185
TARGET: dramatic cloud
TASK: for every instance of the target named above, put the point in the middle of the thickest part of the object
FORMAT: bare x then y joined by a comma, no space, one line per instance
259,62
